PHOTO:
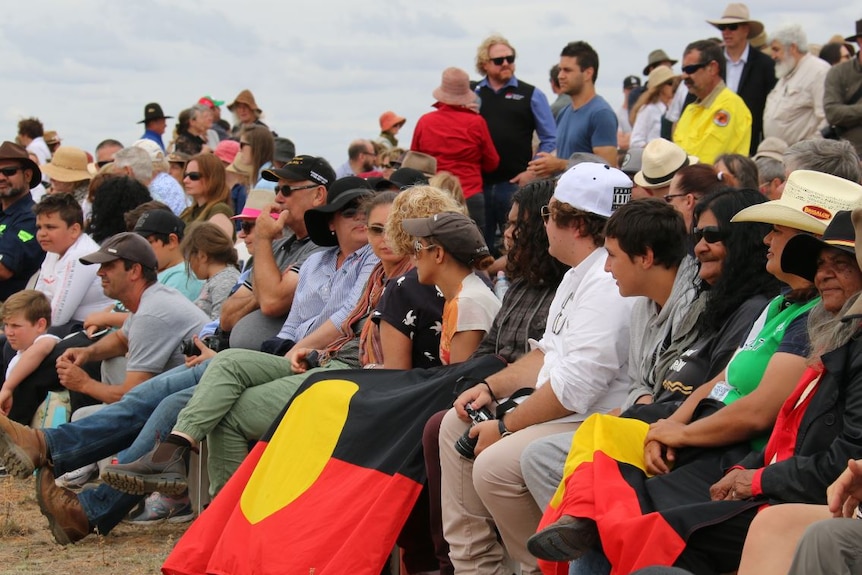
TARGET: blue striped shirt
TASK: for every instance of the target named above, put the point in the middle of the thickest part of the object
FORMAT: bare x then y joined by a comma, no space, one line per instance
325,293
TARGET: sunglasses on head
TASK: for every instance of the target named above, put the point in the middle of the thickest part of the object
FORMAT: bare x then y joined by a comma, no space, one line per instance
376,229
692,68
247,226
287,190
724,27
499,61
193,176
418,247
710,234
10,171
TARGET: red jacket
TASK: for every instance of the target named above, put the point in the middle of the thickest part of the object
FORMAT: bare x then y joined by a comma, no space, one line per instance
458,137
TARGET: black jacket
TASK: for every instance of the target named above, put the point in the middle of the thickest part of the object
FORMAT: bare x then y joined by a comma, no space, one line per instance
758,79
830,433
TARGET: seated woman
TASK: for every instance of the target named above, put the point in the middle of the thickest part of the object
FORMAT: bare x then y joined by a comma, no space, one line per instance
204,181
210,255
706,536
73,288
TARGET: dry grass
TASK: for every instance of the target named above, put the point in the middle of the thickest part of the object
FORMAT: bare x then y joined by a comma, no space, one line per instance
27,548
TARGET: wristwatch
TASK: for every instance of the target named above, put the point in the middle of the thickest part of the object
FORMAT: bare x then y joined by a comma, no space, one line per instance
501,426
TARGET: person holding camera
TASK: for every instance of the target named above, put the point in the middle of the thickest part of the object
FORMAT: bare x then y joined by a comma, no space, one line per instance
579,367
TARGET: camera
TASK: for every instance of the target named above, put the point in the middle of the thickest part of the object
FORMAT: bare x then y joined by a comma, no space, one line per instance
466,445
214,342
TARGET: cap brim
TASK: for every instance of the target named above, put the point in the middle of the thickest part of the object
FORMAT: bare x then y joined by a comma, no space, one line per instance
775,213
342,200
276,174
768,154
251,214
417,227
97,258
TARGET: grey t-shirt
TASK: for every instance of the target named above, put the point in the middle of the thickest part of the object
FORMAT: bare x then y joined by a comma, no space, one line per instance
164,319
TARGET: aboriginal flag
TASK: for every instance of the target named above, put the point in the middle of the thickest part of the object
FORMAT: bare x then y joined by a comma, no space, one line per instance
642,521
329,487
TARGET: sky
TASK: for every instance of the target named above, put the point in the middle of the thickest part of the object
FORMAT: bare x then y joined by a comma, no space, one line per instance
323,71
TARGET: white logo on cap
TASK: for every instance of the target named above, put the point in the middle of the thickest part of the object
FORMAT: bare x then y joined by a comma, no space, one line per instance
112,250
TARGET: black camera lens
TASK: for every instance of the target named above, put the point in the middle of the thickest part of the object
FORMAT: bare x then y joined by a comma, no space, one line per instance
466,445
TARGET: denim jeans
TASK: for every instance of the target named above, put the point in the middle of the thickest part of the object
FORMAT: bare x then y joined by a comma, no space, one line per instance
592,563
145,414
498,202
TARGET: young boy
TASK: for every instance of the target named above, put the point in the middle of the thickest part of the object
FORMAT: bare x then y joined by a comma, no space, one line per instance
164,231
73,289
27,317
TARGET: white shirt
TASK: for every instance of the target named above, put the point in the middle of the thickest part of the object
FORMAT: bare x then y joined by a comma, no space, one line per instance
17,357
73,288
674,111
794,107
647,124
734,69
586,341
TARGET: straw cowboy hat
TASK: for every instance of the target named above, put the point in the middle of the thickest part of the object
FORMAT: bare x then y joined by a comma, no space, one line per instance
661,160
454,88
69,164
809,202
737,13
247,98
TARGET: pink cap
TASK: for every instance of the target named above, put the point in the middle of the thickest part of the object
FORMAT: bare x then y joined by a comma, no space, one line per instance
227,150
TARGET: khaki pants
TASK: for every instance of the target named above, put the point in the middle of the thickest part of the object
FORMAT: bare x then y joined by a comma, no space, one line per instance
478,495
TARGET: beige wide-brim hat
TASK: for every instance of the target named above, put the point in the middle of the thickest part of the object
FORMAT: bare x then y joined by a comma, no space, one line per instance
660,162
737,13
257,201
69,164
655,57
809,202
454,88
658,76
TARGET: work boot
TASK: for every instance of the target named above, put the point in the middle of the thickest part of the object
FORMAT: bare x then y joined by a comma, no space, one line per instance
567,539
22,448
164,469
66,516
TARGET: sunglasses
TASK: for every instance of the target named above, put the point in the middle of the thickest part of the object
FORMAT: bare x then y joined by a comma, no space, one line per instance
243,144
711,234
499,61
418,247
349,212
287,190
669,197
692,68
9,172
246,227
193,176
376,229
724,27
546,213
394,165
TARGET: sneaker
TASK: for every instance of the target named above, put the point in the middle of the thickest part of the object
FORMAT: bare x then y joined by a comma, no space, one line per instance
78,478
158,508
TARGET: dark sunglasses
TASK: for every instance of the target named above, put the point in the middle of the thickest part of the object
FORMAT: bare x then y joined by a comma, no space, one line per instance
724,27
376,229
247,226
193,176
287,190
692,68
9,172
499,61
669,197
349,212
243,144
711,234
394,165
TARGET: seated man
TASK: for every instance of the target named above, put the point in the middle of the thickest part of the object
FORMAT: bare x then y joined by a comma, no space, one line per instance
579,367
149,341
164,231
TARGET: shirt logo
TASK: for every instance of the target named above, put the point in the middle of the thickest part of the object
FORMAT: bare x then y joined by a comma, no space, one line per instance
721,118
513,96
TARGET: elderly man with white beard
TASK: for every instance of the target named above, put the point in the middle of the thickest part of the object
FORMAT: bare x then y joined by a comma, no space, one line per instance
794,108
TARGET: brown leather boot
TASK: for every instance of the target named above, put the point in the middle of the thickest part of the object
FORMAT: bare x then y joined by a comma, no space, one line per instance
22,448
66,516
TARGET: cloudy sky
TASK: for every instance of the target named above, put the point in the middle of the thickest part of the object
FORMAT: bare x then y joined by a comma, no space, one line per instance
322,71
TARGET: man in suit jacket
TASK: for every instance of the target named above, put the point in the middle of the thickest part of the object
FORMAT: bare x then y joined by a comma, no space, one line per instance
750,72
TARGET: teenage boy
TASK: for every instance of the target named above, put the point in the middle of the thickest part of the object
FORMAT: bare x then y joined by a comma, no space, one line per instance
164,231
74,289
26,319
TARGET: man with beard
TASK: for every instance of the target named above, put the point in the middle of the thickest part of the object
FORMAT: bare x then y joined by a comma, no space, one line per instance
794,108
718,122
360,159
589,124
20,253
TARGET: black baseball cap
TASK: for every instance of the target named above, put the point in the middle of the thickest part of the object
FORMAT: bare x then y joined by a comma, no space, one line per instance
303,168
159,222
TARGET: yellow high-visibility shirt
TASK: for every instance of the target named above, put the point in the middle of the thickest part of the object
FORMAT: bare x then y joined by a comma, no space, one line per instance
719,124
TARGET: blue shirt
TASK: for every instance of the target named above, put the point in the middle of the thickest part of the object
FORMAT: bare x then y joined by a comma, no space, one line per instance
593,125
157,138
167,190
325,293
262,184
19,251
546,127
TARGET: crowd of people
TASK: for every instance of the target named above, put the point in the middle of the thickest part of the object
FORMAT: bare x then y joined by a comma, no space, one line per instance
673,286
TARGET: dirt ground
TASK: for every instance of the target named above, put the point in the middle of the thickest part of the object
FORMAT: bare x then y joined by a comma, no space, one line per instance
27,548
